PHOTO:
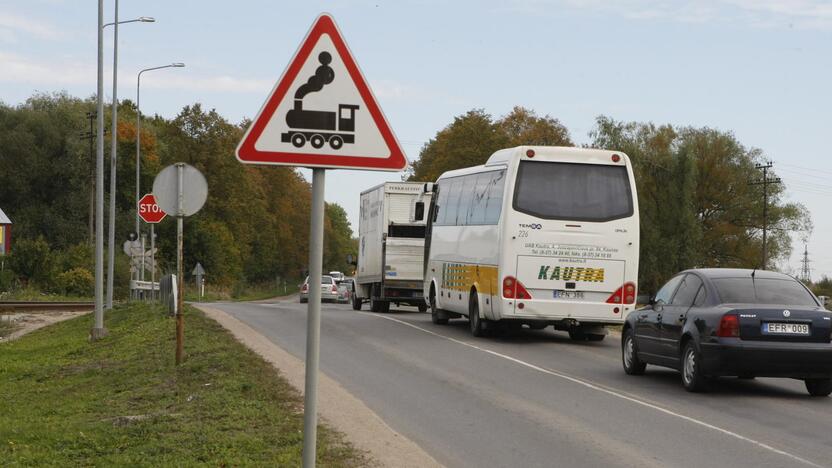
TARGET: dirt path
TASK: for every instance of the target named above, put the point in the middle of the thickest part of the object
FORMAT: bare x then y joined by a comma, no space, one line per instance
24,323
343,411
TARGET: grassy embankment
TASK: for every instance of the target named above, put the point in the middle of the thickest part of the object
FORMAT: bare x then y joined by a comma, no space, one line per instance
121,401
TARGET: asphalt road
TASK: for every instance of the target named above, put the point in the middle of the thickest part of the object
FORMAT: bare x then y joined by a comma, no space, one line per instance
535,398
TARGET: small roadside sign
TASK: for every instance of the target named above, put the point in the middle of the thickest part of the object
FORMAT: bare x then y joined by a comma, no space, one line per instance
149,211
321,113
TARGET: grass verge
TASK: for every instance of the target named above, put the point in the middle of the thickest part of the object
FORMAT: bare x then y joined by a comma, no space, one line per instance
121,401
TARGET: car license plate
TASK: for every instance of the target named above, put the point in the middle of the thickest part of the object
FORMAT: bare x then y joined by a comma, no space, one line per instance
560,294
778,328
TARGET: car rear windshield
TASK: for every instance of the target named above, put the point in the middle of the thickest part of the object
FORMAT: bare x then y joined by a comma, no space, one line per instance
326,280
763,291
575,192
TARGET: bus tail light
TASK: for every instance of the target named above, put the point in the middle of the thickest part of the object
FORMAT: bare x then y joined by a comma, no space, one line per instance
626,294
616,158
513,289
729,326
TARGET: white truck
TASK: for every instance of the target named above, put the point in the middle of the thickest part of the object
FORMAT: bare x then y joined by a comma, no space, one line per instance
391,245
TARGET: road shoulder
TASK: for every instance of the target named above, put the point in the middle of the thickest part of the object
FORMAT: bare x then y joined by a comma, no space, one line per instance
346,413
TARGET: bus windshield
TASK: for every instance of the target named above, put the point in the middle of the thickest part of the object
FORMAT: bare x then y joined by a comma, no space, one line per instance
573,192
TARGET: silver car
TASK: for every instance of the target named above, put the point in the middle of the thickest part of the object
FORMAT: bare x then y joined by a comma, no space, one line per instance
329,290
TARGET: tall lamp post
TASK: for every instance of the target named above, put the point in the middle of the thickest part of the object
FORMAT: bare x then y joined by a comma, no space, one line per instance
114,143
98,330
139,136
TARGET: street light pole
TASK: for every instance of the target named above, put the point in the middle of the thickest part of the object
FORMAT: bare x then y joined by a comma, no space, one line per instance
139,133
98,330
113,148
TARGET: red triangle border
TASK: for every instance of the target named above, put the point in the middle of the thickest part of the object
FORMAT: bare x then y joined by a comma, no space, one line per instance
246,151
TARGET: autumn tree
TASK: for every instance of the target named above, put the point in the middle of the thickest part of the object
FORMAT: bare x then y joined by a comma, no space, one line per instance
472,137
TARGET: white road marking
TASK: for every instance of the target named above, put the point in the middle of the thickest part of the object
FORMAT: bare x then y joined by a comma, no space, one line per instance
601,389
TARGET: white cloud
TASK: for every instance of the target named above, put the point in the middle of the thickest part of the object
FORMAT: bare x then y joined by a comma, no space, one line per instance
17,69
11,24
804,14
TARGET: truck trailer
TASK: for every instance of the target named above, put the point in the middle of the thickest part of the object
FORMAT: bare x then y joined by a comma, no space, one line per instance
391,236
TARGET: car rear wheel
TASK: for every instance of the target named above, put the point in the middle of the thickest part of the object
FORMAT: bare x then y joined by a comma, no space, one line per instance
692,377
474,321
819,387
629,355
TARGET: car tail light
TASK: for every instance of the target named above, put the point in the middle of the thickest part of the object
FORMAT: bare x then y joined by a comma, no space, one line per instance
304,288
626,294
729,326
513,289
335,289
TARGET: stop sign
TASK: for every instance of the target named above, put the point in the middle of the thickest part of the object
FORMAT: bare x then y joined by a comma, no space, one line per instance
149,211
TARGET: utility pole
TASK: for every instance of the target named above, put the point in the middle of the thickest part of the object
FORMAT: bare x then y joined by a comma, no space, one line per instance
765,182
805,271
90,135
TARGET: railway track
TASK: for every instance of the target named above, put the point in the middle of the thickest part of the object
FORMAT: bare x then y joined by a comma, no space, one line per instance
7,307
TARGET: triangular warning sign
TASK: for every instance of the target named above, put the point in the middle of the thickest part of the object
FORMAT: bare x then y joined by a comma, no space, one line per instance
322,113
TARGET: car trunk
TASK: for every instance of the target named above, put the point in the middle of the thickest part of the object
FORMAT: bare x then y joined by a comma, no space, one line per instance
761,323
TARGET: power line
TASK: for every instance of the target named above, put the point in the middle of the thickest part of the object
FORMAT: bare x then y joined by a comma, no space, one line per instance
765,182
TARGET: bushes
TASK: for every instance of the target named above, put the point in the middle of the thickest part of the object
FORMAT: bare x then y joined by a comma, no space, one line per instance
76,282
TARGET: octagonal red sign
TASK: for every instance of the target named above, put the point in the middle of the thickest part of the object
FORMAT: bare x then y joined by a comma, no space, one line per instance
149,211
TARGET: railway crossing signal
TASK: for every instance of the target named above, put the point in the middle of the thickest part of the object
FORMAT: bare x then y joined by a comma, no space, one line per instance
322,113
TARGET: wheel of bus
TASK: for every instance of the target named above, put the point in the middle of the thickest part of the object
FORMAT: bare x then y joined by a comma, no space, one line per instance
317,141
298,140
476,324
336,142
356,303
434,312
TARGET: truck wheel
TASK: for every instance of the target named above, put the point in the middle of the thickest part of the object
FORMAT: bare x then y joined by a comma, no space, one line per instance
317,141
819,387
375,305
474,321
336,142
385,307
356,303
298,140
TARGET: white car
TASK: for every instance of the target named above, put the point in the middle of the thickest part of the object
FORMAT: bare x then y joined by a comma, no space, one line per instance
329,289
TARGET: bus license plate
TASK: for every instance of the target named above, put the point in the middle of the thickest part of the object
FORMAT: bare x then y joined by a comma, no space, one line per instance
559,294
777,328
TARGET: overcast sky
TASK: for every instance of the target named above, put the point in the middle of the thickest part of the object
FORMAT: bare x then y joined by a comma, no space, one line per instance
759,68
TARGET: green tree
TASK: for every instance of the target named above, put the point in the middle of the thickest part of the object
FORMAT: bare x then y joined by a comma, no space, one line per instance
472,137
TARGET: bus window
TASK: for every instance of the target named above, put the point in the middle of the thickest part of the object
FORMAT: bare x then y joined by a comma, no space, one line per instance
494,203
466,197
575,192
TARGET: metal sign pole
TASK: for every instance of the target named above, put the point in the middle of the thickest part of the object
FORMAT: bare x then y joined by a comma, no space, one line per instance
152,263
313,321
180,299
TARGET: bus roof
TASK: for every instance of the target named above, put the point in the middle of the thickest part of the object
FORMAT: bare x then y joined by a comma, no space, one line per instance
504,156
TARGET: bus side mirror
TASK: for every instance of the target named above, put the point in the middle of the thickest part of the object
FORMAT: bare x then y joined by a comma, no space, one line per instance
420,211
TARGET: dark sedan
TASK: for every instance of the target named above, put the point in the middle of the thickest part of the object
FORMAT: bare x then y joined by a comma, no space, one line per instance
730,322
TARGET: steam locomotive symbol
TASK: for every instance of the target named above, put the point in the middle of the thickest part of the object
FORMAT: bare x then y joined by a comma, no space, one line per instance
319,127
